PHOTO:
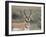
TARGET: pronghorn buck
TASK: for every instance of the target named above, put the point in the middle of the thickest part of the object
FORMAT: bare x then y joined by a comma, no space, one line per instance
25,25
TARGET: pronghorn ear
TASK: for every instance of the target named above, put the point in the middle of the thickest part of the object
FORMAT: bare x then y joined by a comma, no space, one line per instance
31,16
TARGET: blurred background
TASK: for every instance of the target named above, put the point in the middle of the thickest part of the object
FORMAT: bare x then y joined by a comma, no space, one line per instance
35,12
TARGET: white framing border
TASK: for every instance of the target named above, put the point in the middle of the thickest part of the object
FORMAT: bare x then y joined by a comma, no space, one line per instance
24,32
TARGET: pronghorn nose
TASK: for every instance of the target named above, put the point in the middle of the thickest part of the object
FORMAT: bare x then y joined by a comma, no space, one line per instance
28,18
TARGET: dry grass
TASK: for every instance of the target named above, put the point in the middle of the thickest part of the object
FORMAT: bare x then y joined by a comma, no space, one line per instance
19,25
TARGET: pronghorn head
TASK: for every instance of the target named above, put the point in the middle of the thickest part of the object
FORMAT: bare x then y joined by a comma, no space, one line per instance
28,18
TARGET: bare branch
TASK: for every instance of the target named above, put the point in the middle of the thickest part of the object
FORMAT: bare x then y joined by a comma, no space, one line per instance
20,12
